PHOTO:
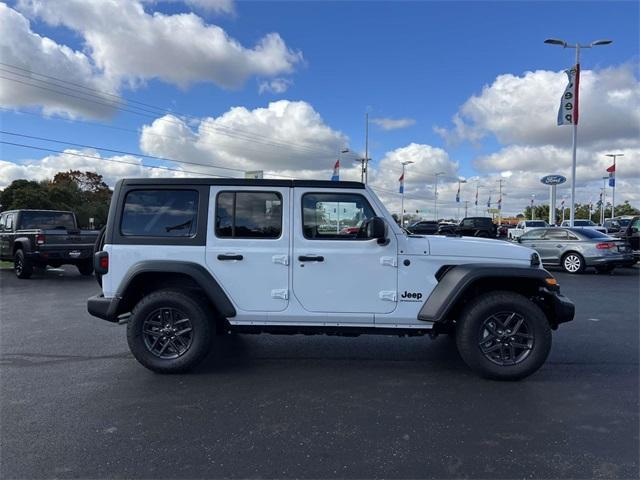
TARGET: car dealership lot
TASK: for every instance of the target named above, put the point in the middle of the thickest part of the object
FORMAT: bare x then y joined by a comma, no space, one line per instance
76,404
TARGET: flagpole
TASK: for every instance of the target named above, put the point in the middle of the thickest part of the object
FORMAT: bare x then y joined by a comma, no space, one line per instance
575,140
613,189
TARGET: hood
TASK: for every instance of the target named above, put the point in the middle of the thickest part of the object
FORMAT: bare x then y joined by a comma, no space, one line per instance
486,248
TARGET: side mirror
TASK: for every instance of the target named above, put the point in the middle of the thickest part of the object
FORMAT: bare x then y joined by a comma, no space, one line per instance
376,228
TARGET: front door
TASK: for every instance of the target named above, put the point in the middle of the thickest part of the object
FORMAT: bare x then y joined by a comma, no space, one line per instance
552,245
335,270
248,245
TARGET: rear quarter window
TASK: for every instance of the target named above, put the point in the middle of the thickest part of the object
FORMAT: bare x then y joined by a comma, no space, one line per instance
160,213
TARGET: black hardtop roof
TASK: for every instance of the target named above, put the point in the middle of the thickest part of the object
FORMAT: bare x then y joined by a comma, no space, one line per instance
35,210
241,182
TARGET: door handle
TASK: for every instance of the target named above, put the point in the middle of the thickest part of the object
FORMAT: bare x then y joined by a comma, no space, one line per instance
311,258
558,246
230,257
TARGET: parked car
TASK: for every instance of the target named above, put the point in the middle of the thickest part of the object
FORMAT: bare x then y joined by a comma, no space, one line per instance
584,224
247,256
575,249
471,227
503,230
615,224
524,226
424,227
631,235
37,238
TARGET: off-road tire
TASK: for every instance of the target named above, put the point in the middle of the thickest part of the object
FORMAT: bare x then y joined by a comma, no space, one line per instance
471,324
86,267
22,266
569,264
202,323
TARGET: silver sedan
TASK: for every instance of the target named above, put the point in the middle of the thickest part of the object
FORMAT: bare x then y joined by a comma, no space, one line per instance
575,249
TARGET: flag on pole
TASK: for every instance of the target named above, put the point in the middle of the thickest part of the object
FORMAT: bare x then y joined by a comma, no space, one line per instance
499,203
336,172
562,204
600,200
568,111
401,180
612,175
476,196
489,202
458,194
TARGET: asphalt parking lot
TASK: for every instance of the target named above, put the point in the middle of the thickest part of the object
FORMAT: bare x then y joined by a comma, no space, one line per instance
75,403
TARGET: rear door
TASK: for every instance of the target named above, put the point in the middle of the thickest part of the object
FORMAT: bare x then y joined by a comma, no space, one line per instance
248,245
335,271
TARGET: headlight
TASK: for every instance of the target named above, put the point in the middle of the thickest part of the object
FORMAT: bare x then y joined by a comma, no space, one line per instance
535,260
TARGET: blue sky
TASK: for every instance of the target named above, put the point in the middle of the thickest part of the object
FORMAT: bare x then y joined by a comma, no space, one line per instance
414,60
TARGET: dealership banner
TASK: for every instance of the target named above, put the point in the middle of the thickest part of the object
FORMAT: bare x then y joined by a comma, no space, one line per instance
568,112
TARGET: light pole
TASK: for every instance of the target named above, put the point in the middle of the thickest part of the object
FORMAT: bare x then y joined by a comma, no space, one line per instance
574,121
533,197
604,199
613,184
404,164
460,180
435,196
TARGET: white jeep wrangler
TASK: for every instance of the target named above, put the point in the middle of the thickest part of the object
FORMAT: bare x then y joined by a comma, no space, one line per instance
183,260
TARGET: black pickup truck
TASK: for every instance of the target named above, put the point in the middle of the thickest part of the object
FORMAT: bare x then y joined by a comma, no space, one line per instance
37,238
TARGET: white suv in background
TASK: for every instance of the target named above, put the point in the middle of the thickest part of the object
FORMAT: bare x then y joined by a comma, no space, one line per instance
585,224
524,226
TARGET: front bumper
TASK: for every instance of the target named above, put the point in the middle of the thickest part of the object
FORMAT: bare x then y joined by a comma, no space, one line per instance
104,308
559,309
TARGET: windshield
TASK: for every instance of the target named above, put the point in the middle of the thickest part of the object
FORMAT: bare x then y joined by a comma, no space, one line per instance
623,222
47,220
583,223
536,224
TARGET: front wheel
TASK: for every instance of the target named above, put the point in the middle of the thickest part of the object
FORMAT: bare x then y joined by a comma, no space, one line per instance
573,263
169,331
503,336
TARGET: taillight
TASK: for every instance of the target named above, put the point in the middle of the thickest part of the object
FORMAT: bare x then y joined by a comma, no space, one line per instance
605,245
101,263
40,239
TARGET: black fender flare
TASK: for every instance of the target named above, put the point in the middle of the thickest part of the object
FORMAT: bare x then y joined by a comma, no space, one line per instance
200,275
452,286
22,243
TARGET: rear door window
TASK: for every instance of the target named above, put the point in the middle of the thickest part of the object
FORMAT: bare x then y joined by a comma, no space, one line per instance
160,213
248,215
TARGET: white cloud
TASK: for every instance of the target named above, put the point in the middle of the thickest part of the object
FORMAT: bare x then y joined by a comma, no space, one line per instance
130,44
277,85
285,136
209,6
27,50
111,168
523,109
393,123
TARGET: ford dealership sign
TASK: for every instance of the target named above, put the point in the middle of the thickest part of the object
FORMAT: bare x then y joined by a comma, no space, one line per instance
553,179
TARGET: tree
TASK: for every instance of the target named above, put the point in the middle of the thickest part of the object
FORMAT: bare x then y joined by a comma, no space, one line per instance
84,193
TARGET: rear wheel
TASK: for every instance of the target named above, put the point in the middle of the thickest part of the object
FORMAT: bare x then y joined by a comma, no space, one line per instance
573,262
503,336
22,265
169,331
85,267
